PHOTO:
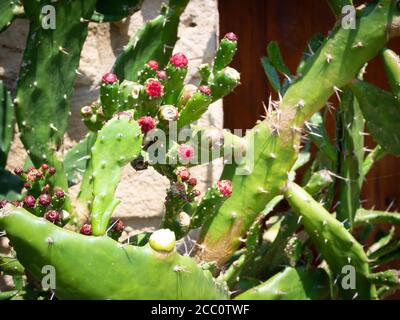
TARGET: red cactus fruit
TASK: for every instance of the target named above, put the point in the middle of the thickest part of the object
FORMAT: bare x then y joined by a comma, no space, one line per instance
231,36
162,75
146,124
27,185
154,88
18,204
86,229
153,64
59,193
44,199
183,173
109,78
52,171
45,167
185,152
39,175
225,187
192,181
118,226
52,216
3,203
205,90
179,60
18,171
29,201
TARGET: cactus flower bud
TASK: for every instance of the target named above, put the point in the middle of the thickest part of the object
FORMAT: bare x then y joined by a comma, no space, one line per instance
46,188
192,181
52,216
225,187
59,193
18,171
163,240
109,78
86,229
118,226
39,175
44,199
29,201
185,152
154,88
27,185
231,36
183,173
52,171
3,203
146,124
179,60
196,193
162,75
169,113
205,90
18,204
153,64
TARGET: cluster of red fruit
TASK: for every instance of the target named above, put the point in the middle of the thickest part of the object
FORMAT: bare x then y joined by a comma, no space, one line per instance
184,187
40,199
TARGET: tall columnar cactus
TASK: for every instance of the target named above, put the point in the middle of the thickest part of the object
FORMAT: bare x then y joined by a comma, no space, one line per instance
243,241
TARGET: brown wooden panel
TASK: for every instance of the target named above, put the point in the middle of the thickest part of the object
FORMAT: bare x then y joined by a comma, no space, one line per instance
291,23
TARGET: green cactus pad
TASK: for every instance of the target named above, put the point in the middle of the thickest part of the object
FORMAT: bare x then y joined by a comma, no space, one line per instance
77,158
291,284
256,180
6,123
117,143
382,113
46,77
196,106
351,123
224,82
391,62
100,268
10,266
115,10
365,216
9,9
225,53
337,246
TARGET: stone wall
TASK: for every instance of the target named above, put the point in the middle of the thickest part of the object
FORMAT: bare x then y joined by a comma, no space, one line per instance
142,193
